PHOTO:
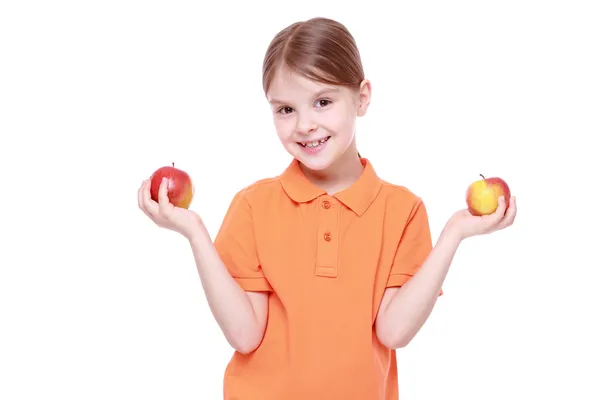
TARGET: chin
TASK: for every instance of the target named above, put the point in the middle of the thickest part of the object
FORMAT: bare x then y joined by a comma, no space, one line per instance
315,163
318,161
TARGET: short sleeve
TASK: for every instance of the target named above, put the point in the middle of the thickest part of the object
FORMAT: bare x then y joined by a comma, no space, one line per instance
236,245
414,247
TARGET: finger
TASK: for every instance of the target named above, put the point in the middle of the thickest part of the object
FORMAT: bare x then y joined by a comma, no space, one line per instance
511,214
139,194
150,205
498,215
494,219
164,204
141,199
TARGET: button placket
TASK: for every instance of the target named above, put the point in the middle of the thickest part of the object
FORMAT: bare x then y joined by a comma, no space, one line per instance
327,246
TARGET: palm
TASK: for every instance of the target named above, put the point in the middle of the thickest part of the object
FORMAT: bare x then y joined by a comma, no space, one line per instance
470,225
175,218
164,213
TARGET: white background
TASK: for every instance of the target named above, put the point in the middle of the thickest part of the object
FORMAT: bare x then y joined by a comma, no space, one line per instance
97,303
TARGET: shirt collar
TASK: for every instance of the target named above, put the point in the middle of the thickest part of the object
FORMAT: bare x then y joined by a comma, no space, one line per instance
358,197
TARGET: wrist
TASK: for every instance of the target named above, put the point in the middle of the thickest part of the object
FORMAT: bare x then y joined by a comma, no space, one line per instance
196,232
451,235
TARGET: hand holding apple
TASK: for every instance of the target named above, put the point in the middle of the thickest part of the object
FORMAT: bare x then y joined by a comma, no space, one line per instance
482,195
165,198
180,189
487,209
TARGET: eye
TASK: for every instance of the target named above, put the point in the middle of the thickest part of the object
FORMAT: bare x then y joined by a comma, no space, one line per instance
323,103
285,110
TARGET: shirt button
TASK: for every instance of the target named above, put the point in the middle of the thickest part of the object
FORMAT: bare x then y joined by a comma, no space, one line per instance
326,204
327,236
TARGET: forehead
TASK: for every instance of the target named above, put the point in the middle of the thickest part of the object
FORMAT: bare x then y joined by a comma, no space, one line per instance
288,86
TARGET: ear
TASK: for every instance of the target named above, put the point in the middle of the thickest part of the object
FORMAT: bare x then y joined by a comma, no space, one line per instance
364,97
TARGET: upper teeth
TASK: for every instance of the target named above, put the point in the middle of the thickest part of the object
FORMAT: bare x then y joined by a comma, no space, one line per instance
315,143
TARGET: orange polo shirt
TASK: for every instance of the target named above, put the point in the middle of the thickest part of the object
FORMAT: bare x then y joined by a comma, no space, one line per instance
326,261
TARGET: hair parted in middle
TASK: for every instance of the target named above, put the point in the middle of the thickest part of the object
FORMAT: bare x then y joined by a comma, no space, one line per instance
320,49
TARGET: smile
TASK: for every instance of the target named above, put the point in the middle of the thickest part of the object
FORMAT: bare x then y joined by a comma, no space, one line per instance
315,143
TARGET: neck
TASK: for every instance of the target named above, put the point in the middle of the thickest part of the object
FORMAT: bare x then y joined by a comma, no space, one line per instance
340,175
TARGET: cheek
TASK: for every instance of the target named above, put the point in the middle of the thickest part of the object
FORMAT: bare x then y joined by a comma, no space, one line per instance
341,122
284,127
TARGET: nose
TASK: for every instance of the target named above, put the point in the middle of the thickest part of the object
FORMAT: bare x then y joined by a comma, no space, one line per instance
305,125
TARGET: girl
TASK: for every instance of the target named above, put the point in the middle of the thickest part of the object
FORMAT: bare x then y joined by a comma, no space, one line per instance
318,274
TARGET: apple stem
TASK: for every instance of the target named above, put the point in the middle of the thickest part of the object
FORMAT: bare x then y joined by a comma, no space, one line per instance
482,176
173,164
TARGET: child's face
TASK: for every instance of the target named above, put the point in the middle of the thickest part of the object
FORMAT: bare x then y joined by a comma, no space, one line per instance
315,122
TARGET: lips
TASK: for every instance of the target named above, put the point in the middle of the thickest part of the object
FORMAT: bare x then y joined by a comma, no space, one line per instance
315,143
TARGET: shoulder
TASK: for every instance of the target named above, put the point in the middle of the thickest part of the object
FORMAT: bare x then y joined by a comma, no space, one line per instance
258,191
243,205
401,203
399,195
403,207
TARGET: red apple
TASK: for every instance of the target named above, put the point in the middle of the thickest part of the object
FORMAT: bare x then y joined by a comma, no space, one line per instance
180,189
482,195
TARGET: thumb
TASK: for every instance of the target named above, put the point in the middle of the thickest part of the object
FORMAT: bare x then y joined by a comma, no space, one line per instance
164,205
495,218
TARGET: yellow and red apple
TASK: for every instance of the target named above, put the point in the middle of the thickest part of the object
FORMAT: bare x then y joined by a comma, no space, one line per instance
482,195
180,189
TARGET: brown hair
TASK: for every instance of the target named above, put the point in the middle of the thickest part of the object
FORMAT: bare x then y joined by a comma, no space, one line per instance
320,49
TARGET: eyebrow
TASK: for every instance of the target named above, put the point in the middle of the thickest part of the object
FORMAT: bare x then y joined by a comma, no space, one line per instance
317,95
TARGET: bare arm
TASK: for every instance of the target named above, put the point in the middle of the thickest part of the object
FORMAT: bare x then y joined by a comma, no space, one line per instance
404,310
241,315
